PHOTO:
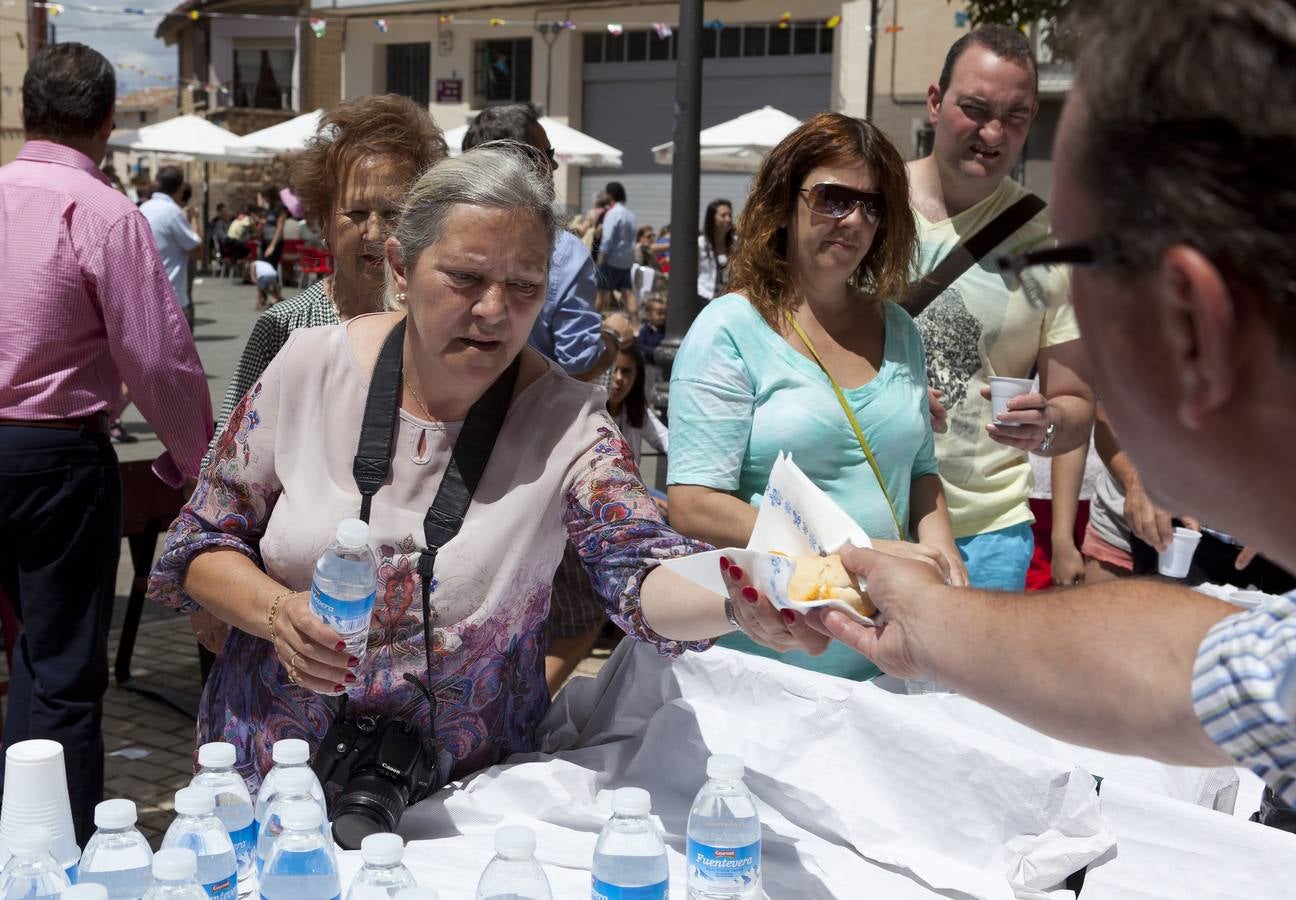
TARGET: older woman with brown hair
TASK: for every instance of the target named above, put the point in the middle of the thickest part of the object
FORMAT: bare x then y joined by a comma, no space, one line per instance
352,179
808,355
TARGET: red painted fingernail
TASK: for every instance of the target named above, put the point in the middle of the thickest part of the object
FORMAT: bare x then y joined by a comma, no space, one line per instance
736,573
352,662
724,562
788,616
339,688
350,679
749,594
340,645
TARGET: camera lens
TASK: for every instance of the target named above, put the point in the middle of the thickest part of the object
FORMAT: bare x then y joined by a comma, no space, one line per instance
369,805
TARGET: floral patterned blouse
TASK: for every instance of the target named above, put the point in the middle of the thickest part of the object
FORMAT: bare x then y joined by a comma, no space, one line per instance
280,481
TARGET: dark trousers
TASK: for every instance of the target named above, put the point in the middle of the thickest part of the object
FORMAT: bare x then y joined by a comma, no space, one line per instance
60,536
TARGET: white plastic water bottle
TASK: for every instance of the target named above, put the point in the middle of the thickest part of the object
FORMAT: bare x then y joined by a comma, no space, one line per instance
233,805
345,585
514,873
630,856
289,753
32,872
196,828
293,785
302,865
174,876
117,856
383,874
90,891
724,835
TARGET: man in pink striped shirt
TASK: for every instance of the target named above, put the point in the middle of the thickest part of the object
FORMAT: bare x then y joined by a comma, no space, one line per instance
85,306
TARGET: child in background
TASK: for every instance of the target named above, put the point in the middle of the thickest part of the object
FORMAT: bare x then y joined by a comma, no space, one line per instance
628,405
654,327
267,283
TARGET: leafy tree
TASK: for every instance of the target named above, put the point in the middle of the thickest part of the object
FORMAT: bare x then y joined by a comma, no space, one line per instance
1024,14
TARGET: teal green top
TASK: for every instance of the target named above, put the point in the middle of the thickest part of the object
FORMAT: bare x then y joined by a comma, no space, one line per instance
739,394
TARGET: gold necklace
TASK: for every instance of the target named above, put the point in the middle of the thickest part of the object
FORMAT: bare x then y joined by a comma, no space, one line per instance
417,399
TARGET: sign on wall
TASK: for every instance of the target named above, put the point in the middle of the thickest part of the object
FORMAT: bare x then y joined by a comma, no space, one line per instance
449,90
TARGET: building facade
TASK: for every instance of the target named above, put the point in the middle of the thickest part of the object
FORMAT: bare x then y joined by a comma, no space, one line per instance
24,33
616,84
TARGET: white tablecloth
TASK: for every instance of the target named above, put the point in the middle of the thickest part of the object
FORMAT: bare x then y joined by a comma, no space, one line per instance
862,793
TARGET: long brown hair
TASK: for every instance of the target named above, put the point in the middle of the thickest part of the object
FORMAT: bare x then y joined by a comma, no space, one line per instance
760,263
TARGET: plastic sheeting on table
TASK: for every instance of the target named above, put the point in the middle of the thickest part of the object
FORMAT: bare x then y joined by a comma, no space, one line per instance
862,793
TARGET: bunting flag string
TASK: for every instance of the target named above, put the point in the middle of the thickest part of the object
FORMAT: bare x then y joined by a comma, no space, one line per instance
319,24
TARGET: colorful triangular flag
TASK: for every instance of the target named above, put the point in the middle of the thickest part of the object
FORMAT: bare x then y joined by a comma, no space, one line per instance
714,25
614,28
381,25
496,22
662,29
445,19
319,26
785,20
832,22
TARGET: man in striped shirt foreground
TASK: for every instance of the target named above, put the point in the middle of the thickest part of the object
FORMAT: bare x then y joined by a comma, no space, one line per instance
1175,200
85,305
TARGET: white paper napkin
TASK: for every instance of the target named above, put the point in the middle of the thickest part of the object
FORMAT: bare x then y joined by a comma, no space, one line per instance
795,518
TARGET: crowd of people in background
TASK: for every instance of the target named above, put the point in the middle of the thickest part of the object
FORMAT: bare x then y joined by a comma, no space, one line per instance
847,317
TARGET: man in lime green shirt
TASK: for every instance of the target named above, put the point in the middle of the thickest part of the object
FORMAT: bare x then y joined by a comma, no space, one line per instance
982,325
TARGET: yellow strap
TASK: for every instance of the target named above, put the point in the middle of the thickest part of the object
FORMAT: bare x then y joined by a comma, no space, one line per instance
859,432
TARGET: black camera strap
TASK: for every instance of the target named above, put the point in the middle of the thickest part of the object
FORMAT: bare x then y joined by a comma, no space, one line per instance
468,459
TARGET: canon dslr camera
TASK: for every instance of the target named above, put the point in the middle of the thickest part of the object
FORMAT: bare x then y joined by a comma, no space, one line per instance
375,766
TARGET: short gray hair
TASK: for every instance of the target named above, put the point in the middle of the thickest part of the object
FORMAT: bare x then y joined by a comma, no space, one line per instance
497,175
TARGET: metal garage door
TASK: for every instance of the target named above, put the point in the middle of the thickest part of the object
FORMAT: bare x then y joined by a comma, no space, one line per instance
630,105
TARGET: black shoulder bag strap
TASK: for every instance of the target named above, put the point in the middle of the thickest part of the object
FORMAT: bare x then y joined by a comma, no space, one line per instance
968,253
468,460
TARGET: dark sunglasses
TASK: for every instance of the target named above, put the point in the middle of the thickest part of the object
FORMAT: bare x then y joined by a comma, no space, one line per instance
1100,252
837,201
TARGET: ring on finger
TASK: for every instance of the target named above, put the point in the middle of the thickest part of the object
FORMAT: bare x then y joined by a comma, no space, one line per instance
292,668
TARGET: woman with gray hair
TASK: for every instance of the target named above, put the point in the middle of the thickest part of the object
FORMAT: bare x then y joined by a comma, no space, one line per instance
456,639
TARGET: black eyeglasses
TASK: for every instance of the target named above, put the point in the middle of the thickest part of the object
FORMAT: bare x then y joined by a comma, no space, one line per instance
1101,252
837,201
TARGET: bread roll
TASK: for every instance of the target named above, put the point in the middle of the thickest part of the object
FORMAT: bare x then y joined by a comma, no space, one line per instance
825,578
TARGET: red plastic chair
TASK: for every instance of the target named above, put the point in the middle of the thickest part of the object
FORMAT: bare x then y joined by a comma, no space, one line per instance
315,263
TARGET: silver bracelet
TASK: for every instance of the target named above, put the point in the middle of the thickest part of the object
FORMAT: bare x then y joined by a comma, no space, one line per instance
729,613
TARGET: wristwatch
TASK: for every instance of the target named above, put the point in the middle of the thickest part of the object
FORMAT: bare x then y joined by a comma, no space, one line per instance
1048,438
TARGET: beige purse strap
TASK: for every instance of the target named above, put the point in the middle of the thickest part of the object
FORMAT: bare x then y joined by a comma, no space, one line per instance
855,425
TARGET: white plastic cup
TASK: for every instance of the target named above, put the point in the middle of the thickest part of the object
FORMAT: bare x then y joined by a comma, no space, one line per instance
1003,389
36,793
1248,599
1175,560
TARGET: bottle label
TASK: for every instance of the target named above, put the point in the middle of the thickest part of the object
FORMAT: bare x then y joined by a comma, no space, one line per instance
343,616
225,889
709,865
604,891
244,841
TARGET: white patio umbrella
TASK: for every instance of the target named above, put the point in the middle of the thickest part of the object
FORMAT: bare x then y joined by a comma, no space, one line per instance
286,137
739,144
571,147
185,137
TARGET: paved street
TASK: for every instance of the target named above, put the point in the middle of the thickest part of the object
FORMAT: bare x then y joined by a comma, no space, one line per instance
150,745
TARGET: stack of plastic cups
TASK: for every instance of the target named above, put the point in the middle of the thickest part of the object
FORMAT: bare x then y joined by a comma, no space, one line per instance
36,793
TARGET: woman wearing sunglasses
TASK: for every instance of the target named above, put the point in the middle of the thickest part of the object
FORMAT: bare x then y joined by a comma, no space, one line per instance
808,355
